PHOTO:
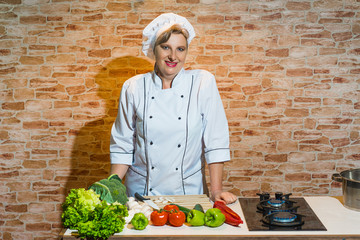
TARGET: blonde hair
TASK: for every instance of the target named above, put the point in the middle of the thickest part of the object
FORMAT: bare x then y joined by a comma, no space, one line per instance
176,29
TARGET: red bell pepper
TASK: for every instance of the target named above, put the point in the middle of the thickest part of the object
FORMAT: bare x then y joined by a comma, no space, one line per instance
231,217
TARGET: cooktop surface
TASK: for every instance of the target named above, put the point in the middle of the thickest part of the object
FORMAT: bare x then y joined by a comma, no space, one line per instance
255,218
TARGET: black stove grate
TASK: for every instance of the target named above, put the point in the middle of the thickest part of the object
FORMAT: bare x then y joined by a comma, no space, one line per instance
306,219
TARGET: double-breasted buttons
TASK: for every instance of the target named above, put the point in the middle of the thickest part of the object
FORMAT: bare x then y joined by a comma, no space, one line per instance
151,115
151,143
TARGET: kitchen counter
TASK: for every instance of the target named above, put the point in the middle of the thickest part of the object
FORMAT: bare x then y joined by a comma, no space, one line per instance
340,222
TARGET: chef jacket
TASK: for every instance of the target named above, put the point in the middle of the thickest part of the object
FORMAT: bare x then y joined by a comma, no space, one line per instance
164,134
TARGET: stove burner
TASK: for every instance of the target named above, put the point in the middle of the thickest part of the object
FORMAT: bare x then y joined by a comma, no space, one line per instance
281,203
284,217
275,202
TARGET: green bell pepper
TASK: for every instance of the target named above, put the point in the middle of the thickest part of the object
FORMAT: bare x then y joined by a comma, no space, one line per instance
139,221
214,217
196,218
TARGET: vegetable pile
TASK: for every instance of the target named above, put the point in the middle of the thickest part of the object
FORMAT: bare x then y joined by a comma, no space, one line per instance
213,217
104,209
93,218
176,215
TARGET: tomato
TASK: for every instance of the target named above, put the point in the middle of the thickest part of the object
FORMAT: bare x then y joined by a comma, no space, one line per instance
171,207
177,218
159,218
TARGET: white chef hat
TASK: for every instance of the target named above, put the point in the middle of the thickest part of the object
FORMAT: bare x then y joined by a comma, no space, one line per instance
160,25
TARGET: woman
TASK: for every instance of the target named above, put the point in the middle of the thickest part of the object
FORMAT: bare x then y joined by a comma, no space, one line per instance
170,120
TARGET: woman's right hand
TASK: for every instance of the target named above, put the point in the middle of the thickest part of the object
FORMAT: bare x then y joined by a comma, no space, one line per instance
225,197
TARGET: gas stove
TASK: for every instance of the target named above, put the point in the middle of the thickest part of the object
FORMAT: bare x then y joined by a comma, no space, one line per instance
279,213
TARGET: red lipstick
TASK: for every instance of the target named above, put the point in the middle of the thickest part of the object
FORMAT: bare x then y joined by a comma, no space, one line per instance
171,64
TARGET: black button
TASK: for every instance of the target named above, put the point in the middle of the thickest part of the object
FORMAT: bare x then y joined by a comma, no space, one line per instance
176,169
152,97
150,116
152,167
150,189
179,145
151,143
182,96
179,118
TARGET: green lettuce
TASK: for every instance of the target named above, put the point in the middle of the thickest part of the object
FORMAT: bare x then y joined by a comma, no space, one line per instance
107,220
78,206
92,218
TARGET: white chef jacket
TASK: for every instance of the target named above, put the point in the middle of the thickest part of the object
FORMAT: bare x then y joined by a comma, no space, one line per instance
164,134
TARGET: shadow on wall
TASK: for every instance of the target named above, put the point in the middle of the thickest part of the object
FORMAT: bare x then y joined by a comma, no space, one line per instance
90,158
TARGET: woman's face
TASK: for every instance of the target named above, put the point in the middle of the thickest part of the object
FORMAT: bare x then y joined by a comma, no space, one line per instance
170,56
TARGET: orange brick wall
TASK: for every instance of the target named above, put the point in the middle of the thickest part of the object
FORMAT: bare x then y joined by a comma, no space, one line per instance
288,73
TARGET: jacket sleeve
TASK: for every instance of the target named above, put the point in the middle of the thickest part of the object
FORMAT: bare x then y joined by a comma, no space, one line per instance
216,130
123,129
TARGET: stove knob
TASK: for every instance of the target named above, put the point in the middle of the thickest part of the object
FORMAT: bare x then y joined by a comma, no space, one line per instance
264,196
278,195
286,196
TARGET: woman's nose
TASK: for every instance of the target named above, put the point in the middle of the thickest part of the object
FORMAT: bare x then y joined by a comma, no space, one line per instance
172,55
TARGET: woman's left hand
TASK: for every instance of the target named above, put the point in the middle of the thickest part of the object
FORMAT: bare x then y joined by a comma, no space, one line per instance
226,197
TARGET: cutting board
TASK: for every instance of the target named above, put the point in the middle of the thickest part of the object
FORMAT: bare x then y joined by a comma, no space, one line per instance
187,201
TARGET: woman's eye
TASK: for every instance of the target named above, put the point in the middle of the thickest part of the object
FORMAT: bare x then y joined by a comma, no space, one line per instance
181,49
165,47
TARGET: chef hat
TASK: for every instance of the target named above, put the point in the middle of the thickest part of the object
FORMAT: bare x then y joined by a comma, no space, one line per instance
160,25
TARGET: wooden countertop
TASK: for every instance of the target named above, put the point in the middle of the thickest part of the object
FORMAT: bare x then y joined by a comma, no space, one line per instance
340,222
340,198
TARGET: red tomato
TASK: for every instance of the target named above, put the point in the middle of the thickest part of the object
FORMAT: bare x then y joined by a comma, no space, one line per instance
171,207
159,218
177,218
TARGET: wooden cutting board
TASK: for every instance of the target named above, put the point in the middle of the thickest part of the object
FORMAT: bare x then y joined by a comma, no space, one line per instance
187,201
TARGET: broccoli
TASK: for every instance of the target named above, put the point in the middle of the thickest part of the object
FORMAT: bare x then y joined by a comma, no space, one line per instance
111,189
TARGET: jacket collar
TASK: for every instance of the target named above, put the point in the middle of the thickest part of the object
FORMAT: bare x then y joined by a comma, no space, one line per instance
177,82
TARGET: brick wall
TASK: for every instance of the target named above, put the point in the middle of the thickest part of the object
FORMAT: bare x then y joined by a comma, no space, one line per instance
288,73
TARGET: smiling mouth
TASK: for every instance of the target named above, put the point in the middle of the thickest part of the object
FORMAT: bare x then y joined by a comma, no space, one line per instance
171,64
